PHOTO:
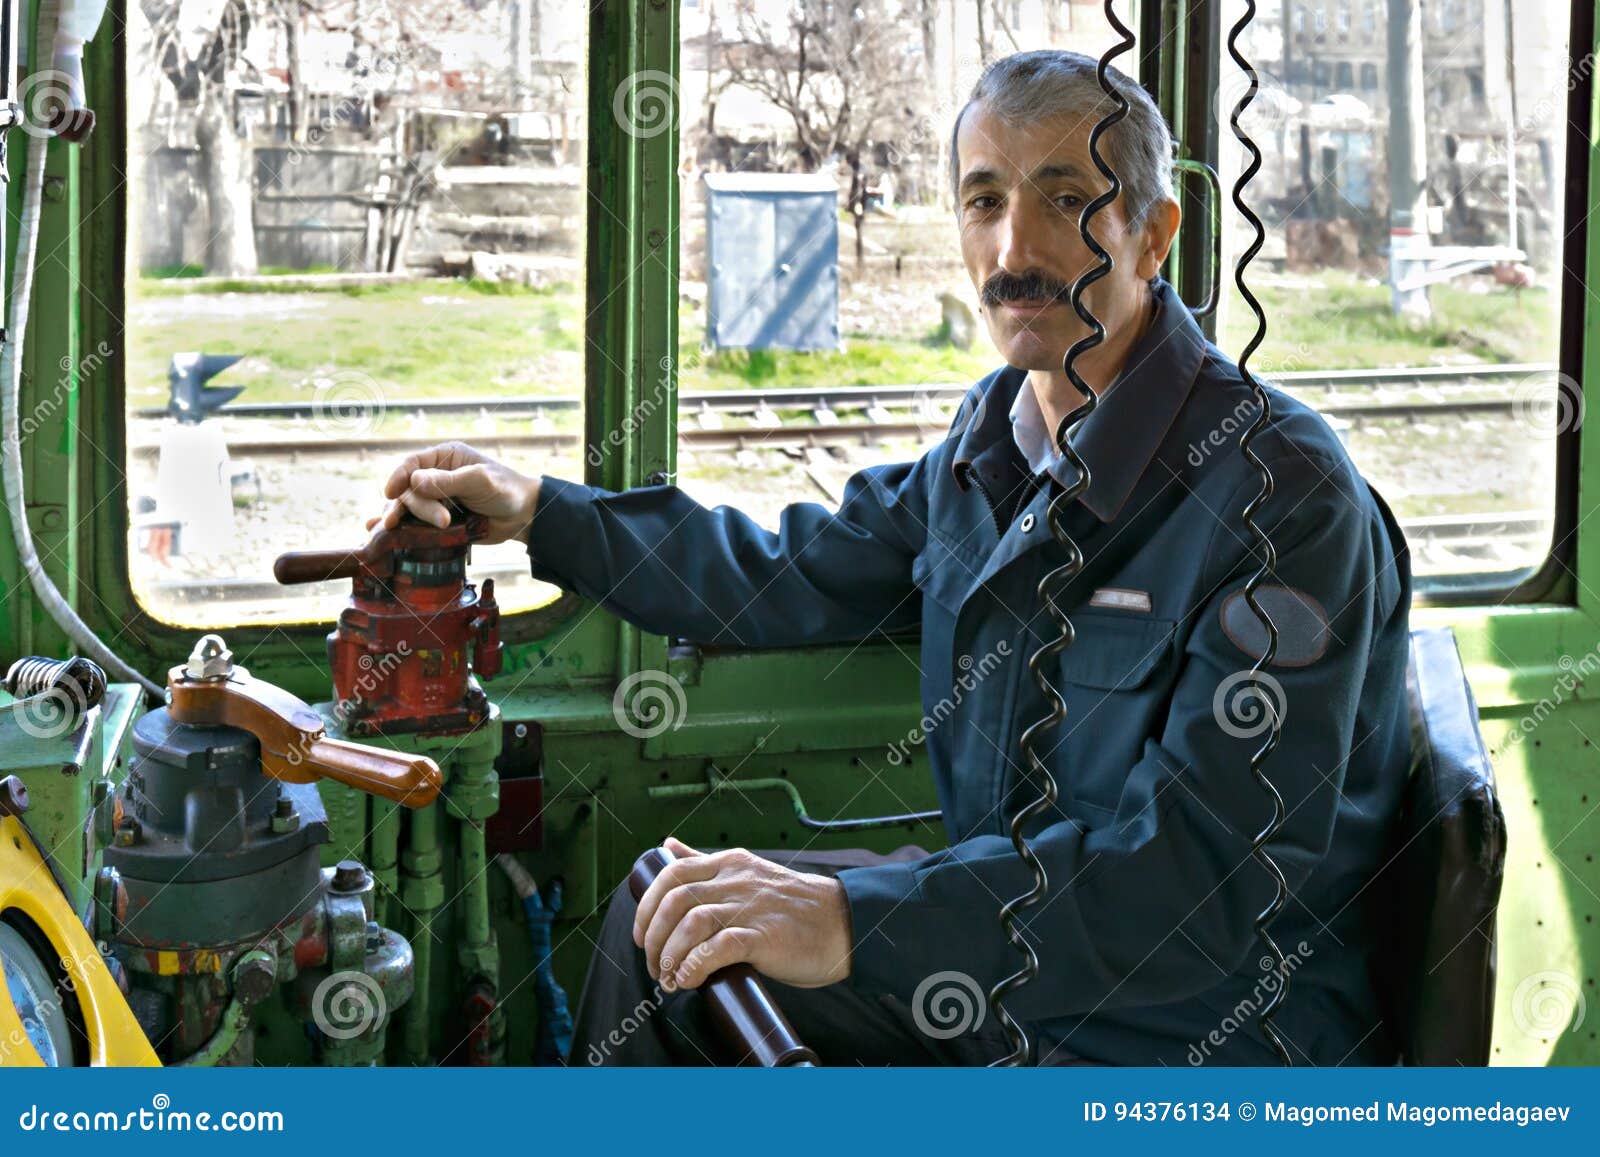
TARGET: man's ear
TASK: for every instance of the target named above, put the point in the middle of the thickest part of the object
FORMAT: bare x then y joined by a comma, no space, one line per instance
1159,232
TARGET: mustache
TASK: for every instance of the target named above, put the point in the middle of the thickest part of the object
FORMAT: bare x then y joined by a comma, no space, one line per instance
1032,287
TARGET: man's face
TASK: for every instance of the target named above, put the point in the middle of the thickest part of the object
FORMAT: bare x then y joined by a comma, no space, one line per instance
1021,193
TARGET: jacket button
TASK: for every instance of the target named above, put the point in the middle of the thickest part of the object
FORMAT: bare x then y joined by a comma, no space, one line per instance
1027,523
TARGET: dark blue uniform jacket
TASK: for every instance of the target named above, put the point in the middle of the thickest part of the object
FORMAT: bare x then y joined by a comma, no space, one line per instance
1146,939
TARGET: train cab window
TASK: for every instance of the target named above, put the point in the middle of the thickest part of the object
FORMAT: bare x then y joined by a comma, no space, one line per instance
355,230
1426,332
827,320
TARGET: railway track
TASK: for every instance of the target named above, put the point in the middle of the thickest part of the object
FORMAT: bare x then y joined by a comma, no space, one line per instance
795,418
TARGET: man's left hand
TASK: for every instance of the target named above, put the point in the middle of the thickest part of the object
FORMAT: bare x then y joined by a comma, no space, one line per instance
707,911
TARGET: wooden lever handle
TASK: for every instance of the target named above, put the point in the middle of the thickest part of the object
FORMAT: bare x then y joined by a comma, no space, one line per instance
295,746
315,566
741,1007
412,780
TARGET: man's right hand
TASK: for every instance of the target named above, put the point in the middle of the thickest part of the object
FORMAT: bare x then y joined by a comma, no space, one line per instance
454,470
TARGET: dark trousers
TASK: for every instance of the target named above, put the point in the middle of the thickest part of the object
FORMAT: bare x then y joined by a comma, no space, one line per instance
624,1018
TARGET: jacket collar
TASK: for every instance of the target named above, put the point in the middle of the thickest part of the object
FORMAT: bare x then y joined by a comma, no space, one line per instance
1118,441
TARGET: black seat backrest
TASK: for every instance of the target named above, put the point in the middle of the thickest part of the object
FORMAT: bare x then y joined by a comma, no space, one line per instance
1442,881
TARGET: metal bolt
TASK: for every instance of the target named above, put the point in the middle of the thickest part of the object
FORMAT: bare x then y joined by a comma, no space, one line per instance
210,659
255,976
656,478
349,876
284,817
13,796
127,832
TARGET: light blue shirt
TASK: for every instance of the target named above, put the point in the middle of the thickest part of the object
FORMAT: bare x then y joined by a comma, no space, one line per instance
1032,432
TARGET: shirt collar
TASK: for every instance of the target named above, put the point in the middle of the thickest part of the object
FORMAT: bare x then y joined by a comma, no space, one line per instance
1120,438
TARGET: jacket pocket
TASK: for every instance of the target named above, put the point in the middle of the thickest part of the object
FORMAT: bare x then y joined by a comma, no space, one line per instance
1116,681
1116,652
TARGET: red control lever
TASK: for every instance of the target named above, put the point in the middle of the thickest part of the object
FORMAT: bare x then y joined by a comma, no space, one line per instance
741,1007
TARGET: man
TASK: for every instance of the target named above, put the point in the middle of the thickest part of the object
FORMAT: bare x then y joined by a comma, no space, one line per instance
1146,937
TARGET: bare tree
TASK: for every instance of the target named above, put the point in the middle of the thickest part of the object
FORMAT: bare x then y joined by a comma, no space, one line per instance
199,48
847,76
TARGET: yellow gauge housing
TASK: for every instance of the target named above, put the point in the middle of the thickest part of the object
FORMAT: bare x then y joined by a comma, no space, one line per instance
26,886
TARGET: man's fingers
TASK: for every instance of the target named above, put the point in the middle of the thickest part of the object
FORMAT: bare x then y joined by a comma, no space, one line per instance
428,509
729,946
678,848
686,871
676,906
401,478
702,922
445,456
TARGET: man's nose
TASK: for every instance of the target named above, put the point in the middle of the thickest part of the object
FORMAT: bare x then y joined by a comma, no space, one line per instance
1021,239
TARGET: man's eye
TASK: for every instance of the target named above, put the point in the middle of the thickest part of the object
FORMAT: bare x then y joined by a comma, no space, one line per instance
1069,201
983,203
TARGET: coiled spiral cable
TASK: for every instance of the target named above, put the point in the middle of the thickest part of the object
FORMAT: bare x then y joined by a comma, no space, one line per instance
1269,556
1056,583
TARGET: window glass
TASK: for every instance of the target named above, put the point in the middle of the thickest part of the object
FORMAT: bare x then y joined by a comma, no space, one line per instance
827,320
366,221
1444,389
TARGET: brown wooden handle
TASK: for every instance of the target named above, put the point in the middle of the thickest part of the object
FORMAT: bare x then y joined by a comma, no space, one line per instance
295,746
315,566
741,1007
412,780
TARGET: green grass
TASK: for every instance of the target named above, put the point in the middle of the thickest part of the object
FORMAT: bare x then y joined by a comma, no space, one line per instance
408,341
1348,324
441,338
863,362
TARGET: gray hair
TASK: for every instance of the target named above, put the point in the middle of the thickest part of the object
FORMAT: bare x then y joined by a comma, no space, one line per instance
1051,82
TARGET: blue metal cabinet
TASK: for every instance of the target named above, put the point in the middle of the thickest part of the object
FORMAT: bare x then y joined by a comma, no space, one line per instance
772,261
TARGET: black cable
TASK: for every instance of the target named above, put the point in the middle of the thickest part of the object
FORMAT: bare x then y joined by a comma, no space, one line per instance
1058,581
1258,847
